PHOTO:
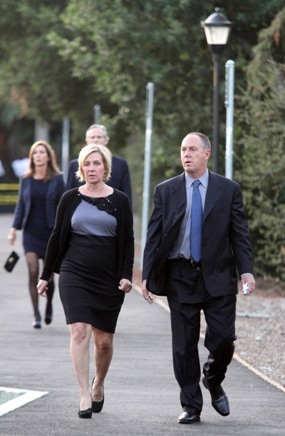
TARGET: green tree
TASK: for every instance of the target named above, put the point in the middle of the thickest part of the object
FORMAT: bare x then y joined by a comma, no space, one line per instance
262,149
121,45
59,58
33,76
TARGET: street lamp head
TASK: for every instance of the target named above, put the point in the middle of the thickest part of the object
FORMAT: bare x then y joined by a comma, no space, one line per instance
217,29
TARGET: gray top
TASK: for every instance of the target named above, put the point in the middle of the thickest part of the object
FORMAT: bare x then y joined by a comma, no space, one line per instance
89,220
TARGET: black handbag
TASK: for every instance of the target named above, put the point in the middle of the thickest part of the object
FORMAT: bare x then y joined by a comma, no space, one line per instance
11,261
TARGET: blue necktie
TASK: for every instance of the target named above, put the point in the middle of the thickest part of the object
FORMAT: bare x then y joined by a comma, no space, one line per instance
196,222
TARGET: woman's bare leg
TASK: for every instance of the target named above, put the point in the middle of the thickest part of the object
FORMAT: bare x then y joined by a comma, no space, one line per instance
80,334
103,353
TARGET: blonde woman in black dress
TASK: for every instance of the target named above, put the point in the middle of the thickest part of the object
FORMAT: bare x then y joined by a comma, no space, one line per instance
92,248
41,188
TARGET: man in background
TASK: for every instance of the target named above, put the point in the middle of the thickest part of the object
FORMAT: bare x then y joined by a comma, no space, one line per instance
120,176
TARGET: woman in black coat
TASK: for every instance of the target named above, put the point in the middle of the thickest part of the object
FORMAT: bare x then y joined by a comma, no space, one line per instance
92,248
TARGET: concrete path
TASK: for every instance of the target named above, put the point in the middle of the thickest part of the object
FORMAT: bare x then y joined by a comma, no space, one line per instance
141,394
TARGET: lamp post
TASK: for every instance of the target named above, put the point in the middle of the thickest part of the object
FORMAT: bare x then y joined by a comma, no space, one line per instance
217,29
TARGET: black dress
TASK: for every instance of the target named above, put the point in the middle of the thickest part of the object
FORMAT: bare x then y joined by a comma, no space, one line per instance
88,282
36,232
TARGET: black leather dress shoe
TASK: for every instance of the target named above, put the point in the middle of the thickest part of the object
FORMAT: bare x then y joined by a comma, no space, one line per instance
188,418
220,401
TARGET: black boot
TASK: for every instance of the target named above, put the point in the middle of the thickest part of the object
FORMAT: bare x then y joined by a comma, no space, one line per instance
48,314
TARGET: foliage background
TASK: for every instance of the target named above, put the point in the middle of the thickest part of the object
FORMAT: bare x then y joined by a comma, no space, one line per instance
59,58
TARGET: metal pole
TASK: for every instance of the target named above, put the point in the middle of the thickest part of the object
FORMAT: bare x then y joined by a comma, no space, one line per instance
97,114
65,147
147,164
229,103
41,131
216,111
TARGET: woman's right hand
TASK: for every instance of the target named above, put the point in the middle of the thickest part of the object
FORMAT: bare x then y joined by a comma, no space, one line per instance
12,236
42,287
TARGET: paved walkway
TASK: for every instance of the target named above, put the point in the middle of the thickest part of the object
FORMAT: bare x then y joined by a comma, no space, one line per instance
141,394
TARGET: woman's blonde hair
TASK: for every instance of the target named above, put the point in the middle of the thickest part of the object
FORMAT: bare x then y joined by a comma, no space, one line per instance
86,151
52,167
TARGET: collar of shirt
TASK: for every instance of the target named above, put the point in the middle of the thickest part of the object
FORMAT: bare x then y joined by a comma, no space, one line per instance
203,179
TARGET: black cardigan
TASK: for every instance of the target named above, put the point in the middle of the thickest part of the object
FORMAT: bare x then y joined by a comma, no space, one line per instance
59,239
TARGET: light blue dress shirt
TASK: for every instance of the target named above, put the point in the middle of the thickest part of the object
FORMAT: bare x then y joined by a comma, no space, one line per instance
181,248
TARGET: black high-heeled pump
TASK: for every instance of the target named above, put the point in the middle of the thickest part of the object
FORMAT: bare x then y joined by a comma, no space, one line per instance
37,324
86,414
97,406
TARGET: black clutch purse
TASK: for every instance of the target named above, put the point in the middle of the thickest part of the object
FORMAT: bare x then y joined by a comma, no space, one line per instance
11,261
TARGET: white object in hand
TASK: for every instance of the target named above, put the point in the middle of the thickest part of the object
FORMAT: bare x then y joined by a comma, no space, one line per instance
245,288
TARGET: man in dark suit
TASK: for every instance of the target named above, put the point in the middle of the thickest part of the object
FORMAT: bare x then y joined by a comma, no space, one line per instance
120,176
205,280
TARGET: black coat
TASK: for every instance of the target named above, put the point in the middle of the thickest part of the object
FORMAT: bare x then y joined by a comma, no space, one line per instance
225,235
24,204
59,239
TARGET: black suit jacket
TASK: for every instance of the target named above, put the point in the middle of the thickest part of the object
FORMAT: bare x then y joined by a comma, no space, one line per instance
225,235
120,177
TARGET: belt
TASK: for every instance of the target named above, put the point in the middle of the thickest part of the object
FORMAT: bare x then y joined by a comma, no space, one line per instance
187,263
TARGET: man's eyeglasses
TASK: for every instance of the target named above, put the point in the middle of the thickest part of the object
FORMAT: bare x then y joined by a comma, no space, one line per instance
96,137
